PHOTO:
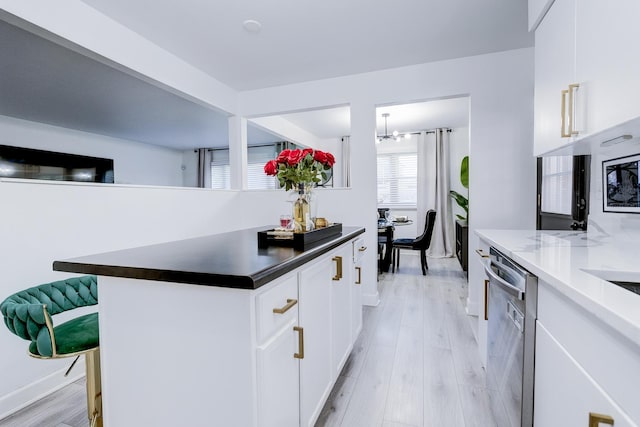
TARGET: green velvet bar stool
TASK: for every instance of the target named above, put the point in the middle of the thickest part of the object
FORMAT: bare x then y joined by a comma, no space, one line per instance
28,315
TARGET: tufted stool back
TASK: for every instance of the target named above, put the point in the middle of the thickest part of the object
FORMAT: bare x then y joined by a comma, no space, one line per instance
28,315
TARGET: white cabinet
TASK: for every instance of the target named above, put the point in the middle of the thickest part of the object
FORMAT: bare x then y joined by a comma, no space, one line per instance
554,72
586,70
481,256
607,60
565,395
359,250
277,369
278,379
302,348
582,366
341,310
315,319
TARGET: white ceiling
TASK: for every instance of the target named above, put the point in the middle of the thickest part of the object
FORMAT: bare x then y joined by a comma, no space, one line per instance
308,40
43,81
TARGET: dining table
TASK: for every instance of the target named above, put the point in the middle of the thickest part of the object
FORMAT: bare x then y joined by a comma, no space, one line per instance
386,228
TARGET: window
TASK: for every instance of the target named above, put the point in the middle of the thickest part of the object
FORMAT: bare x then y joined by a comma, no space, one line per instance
557,185
220,170
397,178
257,156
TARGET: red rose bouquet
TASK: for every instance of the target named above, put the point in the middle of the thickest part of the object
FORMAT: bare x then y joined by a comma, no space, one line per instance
293,167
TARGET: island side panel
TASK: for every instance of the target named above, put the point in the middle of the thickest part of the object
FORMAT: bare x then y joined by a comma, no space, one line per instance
176,354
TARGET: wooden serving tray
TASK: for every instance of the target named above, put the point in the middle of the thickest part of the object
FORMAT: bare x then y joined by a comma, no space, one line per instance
300,241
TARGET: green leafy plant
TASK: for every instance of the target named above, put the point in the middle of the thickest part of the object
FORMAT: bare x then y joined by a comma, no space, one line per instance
461,200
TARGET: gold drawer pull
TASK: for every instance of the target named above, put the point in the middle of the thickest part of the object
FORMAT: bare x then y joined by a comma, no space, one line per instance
359,270
290,303
338,260
572,113
300,353
481,253
563,113
596,419
362,248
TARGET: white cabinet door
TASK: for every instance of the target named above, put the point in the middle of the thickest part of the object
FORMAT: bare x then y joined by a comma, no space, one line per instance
564,393
481,255
554,71
314,290
607,60
341,308
278,380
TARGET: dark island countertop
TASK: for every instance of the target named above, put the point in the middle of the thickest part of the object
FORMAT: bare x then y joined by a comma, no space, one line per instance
231,260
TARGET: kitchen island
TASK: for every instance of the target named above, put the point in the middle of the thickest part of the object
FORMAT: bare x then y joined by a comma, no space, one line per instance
214,331
587,351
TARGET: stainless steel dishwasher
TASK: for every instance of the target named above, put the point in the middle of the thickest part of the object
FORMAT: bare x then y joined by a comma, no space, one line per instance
512,310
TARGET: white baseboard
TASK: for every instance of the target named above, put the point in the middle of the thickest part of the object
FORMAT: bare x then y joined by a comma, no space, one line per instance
24,396
472,308
371,300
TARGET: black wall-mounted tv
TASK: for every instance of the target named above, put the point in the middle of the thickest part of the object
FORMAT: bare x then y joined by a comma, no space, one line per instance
27,163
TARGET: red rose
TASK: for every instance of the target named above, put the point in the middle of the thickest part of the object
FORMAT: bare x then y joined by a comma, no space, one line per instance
330,160
283,156
320,156
294,157
307,151
271,168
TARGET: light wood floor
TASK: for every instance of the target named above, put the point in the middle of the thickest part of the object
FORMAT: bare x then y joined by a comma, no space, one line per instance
414,364
416,361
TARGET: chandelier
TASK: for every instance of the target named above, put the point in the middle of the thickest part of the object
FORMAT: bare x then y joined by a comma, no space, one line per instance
395,135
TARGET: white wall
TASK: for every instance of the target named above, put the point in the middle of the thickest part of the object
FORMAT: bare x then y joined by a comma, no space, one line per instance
133,162
458,148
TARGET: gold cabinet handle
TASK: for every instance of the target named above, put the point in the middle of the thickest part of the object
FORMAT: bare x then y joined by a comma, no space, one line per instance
486,300
338,260
282,310
481,253
300,353
563,113
359,270
572,88
362,248
596,419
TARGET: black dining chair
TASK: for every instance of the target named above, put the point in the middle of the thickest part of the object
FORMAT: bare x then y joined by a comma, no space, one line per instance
420,243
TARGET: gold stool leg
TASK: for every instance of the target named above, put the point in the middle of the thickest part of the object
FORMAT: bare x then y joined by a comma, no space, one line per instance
94,388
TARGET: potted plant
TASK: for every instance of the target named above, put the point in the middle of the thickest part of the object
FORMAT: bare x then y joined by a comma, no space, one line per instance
461,200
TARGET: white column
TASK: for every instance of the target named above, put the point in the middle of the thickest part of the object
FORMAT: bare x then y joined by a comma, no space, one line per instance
238,152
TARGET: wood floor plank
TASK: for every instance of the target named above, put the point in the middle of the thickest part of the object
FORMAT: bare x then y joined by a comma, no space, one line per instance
441,396
406,387
476,406
333,412
366,407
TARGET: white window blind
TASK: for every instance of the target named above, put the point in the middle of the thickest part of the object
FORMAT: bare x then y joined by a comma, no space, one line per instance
397,178
220,170
557,184
256,159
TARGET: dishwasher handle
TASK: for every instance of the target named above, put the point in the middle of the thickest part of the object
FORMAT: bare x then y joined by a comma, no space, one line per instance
494,278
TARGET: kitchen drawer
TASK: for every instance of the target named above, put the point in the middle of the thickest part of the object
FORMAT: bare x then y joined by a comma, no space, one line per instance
269,322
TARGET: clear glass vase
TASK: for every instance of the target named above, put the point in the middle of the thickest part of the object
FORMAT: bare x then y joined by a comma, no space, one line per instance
302,209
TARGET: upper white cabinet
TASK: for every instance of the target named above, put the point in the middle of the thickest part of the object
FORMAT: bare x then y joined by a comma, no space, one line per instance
607,61
554,72
586,70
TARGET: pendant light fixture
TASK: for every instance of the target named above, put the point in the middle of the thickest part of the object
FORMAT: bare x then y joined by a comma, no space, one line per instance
395,135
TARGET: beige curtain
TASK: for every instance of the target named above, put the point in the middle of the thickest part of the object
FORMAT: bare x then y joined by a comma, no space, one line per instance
433,190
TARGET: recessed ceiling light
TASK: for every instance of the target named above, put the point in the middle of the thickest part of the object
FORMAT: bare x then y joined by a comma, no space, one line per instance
252,26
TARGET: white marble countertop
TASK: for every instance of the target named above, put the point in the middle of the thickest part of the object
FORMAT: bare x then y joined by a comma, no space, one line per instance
563,259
